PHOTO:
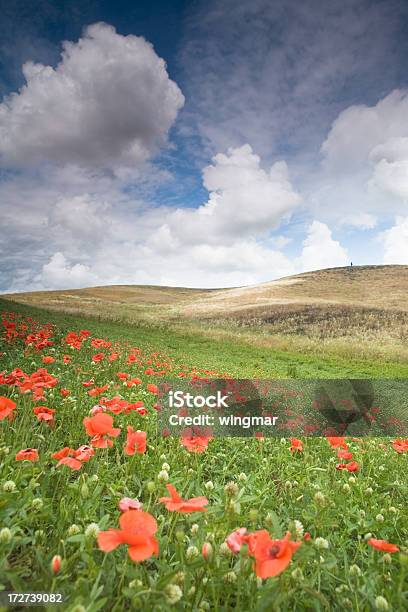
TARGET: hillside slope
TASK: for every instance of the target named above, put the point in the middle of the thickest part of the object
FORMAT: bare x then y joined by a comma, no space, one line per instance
375,287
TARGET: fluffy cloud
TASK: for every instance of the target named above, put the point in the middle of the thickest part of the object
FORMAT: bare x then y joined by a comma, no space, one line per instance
395,241
244,200
90,230
360,132
58,273
320,250
371,143
108,103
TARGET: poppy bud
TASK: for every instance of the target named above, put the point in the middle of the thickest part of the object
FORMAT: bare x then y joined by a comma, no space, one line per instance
207,551
84,491
253,515
381,603
56,564
180,535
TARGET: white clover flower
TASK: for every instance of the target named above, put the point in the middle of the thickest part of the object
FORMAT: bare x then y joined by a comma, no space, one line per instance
319,498
354,570
297,574
92,530
379,518
37,503
163,476
231,488
209,485
230,577
321,543
73,530
299,529
9,486
166,467
192,552
173,593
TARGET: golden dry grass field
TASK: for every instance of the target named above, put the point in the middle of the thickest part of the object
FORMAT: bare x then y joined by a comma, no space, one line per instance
361,311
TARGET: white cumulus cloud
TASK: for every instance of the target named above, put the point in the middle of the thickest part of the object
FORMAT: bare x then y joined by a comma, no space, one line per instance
395,242
108,103
320,250
244,199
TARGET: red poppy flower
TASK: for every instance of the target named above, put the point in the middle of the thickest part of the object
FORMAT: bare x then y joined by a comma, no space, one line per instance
401,446
175,503
64,452
73,458
27,454
101,425
194,443
84,453
272,556
48,359
152,388
137,529
133,382
337,442
6,407
344,454
98,390
122,375
44,414
135,441
383,545
236,539
353,466
296,445
71,462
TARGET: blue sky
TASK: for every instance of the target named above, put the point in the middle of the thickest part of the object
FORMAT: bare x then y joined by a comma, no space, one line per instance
200,143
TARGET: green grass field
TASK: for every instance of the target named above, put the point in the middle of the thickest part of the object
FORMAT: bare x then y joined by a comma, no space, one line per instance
238,356
51,515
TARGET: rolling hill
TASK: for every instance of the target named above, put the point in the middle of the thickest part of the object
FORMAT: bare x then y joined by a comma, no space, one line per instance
364,287
339,313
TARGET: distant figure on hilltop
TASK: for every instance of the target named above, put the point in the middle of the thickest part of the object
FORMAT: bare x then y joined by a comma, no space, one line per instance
351,265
